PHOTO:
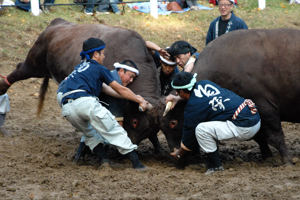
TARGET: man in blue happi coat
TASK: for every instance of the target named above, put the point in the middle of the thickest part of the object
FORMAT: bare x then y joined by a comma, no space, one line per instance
124,73
80,105
212,114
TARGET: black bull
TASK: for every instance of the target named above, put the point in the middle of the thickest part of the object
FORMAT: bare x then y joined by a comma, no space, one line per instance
262,65
56,53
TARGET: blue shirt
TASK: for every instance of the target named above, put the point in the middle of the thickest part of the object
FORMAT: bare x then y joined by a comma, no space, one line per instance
88,76
210,102
115,105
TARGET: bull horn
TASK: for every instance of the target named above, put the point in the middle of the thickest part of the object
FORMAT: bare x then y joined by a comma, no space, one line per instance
149,107
168,108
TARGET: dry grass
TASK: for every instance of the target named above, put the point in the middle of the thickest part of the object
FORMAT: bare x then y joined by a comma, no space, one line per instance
20,29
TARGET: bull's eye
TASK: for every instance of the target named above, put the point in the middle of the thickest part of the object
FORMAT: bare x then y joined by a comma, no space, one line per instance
135,123
173,123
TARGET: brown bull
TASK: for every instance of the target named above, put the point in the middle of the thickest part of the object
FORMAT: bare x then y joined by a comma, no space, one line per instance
56,53
262,65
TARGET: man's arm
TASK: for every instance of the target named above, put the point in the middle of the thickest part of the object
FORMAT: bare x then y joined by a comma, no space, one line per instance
126,93
109,91
174,99
178,153
154,47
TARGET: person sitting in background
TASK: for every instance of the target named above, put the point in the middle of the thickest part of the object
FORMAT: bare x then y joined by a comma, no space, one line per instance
4,108
192,4
167,68
25,5
225,23
184,54
102,8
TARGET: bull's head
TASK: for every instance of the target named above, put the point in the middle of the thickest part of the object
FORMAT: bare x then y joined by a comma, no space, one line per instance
172,123
139,125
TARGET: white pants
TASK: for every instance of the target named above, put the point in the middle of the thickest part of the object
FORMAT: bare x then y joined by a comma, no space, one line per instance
59,97
92,140
208,132
91,118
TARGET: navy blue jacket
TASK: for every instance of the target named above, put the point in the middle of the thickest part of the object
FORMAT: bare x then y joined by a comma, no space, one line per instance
210,102
88,76
234,23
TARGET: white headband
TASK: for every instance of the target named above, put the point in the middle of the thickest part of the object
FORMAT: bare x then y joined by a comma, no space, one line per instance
167,62
118,65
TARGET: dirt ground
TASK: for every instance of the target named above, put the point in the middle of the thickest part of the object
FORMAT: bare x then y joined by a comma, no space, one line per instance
36,163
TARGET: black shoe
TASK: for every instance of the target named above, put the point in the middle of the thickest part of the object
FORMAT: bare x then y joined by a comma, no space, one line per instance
213,170
100,152
81,151
104,163
213,160
133,157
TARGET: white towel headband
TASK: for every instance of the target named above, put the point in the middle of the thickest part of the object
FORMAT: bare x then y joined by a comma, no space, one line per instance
167,62
118,65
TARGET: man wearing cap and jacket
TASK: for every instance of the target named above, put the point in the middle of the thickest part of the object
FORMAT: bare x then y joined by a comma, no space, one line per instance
184,54
226,22
212,114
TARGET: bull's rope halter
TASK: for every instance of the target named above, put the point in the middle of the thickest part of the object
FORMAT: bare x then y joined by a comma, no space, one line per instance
5,78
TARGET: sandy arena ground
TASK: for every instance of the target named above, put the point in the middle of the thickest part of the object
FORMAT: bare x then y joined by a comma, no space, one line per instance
36,163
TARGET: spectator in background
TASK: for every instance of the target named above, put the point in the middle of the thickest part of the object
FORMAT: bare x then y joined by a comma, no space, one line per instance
103,8
25,5
226,22
191,3
4,108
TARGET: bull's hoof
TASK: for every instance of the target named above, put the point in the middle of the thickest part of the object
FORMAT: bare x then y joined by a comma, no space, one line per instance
288,164
287,161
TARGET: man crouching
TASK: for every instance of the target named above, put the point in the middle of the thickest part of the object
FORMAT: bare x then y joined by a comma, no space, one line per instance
212,114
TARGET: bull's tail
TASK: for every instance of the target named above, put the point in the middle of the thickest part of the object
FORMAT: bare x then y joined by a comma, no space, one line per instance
42,94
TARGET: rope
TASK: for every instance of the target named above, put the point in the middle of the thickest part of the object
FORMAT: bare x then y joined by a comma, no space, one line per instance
243,105
5,78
